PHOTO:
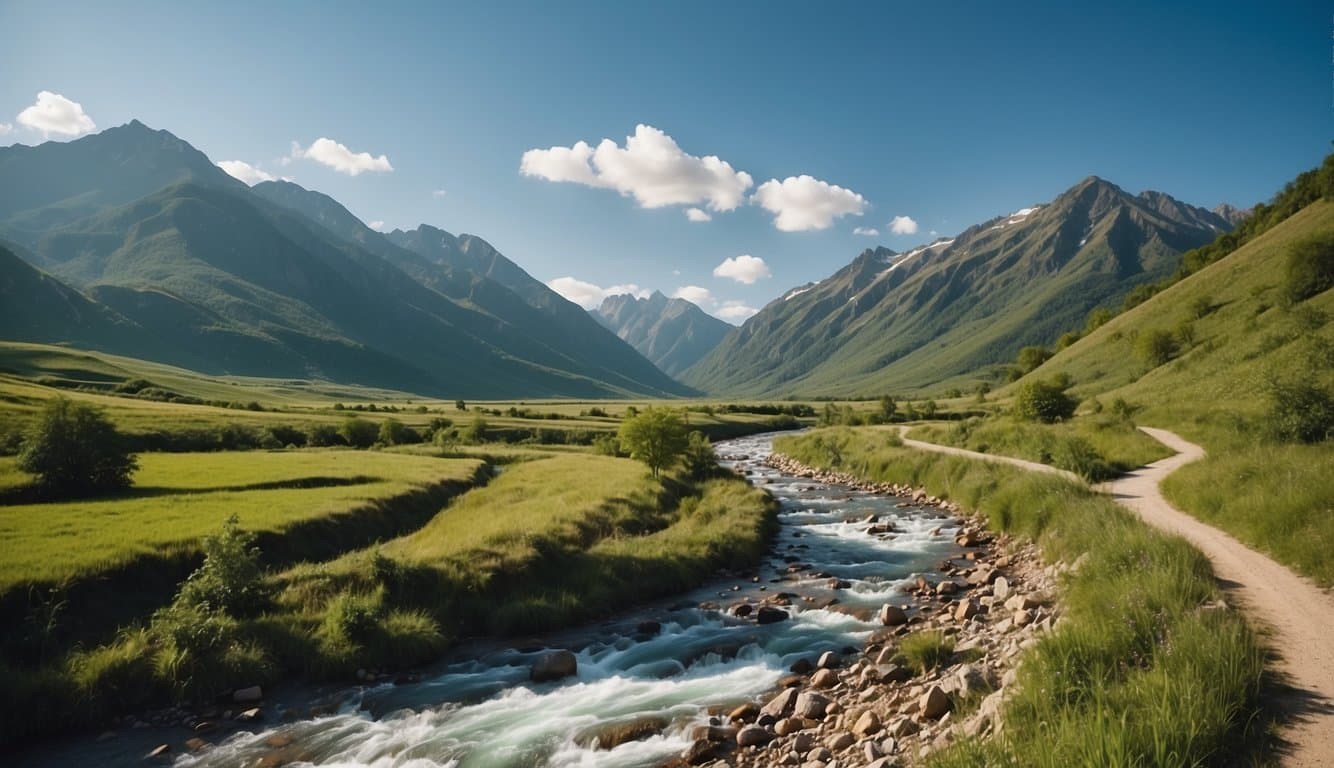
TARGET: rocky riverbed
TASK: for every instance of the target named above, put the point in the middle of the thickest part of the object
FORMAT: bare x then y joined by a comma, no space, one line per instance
869,707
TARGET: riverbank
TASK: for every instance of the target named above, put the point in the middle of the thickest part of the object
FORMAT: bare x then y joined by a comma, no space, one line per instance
939,669
1149,666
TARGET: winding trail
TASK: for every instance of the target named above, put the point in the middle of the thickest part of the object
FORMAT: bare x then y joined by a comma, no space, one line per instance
1296,615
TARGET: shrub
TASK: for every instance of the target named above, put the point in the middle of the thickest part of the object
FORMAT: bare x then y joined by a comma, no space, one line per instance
1044,401
657,437
1310,268
1300,411
1199,307
1067,339
352,620
700,460
475,432
1075,454
359,433
1156,347
324,435
284,434
1097,318
395,432
1186,333
73,448
1032,357
231,578
606,445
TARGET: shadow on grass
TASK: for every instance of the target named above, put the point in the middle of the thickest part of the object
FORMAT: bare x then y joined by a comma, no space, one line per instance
36,494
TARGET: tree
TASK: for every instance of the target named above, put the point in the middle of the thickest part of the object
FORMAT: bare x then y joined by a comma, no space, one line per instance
656,436
888,409
700,459
1156,347
1031,357
1310,268
395,432
1300,410
322,435
1097,318
359,433
73,449
1044,401
459,405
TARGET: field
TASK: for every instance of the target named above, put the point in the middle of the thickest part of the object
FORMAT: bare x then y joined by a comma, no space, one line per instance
179,497
1190,695
372,559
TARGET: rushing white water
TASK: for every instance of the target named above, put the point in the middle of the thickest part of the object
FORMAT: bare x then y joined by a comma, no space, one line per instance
485,713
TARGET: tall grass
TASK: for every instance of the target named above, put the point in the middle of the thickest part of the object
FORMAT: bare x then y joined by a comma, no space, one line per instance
1096,446
1141,671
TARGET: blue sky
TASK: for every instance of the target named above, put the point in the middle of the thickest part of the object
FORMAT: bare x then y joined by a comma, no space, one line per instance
946,113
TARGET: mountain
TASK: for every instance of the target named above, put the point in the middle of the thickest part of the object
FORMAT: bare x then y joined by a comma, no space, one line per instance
673,333
471,272
35,306
224,280
1231,213
65,181
942,312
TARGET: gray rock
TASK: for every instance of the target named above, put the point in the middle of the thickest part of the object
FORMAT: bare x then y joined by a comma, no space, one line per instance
934,703
248,695
892,615
811,705
753,736
553,665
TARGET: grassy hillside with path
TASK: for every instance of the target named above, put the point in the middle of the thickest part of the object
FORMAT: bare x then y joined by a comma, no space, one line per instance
1143,669
1276,496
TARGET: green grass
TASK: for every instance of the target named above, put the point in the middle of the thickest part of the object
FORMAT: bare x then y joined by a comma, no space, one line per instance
557,537
1271,496
925,651
1115,441
1140,671
1280,497
179,497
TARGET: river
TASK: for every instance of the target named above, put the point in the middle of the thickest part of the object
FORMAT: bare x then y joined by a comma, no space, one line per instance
482,712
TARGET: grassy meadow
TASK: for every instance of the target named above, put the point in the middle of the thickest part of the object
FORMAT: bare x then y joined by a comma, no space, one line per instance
1140,671
370,558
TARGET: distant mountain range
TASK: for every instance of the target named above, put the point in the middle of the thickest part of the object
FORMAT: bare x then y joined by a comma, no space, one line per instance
673,333
131,241
143,247
949,311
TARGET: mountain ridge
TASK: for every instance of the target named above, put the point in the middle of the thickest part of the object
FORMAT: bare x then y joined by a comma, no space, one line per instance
672,333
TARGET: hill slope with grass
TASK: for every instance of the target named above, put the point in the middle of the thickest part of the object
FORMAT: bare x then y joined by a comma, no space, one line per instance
1228,360
224,280
673,333
904,322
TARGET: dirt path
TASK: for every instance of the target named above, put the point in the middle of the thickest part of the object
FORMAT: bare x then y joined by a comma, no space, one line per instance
995,459
1297,615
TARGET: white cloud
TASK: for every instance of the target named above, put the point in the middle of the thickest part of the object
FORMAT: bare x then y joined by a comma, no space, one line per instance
340,158
698,214
438,193
651,168
377,225
903,225
694,294
867,231
736,312
588,295
54,113
250,174
933,233
743,269
5,128
803,203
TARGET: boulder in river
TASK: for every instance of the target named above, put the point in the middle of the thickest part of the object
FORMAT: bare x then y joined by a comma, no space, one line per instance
892,615
248,695
554,665
769,615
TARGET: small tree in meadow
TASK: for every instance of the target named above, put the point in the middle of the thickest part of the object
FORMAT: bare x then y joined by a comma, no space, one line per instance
655,436
73,448
1156,347
1032,357
1310,268
1044,401
359,433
